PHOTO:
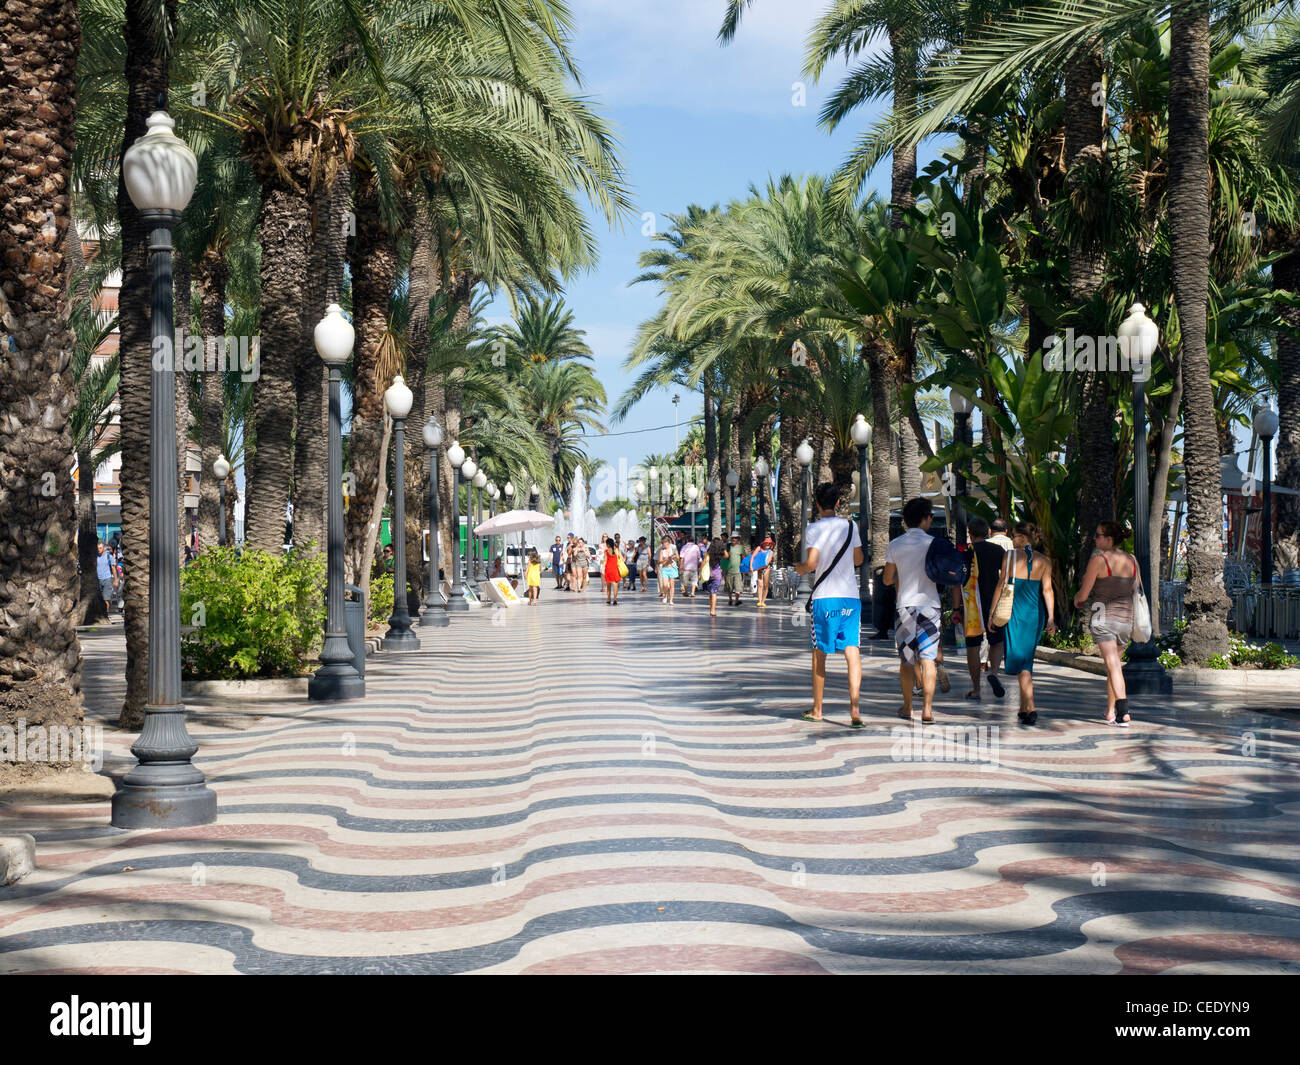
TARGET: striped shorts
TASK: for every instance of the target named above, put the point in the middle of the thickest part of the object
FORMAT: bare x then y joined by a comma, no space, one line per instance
917,634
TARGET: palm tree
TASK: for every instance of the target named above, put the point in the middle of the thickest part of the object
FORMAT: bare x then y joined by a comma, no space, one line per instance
38,582
543,331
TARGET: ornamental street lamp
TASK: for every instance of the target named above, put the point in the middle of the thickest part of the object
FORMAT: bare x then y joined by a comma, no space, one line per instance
435,611
861,433
1138,337
961,409
164,790
457,603
480,482
337,677
221,470
400,636
711,487
691,493
1265,425
733,480
762,471
534,497
804,455
469,470
493,494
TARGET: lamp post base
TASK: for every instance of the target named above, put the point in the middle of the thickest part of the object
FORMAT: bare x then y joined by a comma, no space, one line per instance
164,790
435,616
332,682
401,638
1143,673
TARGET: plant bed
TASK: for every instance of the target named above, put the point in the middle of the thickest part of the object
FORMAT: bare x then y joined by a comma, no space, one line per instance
253,616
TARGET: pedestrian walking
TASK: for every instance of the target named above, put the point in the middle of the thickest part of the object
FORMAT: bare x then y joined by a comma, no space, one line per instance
916,632
667,569
834,551
106,574
973,608
1030,575
691,557
557,562
581,565
610,570
1111,613
713,561
734,578
533,578
642,563
761,566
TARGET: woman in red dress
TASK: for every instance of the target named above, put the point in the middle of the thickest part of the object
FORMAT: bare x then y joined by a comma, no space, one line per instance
609,570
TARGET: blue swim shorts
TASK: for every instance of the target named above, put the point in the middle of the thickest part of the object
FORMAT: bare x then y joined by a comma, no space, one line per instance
836,624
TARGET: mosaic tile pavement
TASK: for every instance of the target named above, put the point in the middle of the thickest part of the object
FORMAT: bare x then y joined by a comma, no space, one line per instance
580,788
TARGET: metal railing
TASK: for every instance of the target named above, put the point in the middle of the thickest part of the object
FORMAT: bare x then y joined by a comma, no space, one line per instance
1264,610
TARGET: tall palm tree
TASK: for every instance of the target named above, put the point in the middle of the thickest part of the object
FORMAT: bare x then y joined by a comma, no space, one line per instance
543,331
38,569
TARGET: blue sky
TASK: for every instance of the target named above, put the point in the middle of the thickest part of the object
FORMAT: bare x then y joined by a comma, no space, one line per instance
697,122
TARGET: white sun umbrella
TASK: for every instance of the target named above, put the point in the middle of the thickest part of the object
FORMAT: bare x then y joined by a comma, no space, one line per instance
514,521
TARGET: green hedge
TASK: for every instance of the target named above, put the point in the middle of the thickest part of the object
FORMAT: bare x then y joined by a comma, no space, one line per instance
381,599
253,614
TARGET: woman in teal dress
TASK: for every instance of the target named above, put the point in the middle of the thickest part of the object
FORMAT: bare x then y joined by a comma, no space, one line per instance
1032,608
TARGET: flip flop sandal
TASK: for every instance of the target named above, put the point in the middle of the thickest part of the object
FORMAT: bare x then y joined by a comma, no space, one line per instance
902,712
808,716
857,724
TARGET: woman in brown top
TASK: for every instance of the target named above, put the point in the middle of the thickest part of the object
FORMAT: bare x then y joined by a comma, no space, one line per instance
1109,582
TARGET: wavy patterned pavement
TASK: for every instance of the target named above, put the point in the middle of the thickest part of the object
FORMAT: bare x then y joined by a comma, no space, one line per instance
579,788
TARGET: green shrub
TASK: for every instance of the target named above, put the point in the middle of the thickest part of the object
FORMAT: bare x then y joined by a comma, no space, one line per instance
381,599
1218,662
253,614
1079,640
1241,652
1169,660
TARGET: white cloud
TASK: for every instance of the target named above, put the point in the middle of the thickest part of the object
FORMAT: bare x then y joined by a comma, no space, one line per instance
665,53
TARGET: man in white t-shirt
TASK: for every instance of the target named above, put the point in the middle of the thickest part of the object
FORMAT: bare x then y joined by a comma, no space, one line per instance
836,604
916,630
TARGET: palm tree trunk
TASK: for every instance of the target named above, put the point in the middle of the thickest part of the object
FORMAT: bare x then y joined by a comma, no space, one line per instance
284,229
374,272
212,295
909,455
146,74
417,455
38,560
789,524
711,457
312,436
1189,234
1160,490
745,470
1084,116
1286,278
882,452
181,320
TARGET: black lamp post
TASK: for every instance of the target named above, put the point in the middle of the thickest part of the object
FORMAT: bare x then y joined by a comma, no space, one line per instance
1138,337
861,433
733,482
804,455
691,493
762,471
1266,423
337,677
221,470
164,790
435,611
400,636
480,483
458,603
961,410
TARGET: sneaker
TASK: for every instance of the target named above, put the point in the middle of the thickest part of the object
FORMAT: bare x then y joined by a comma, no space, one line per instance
944,683
996,685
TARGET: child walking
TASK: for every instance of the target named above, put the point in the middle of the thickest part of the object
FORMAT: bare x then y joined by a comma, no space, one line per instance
717,552
534,577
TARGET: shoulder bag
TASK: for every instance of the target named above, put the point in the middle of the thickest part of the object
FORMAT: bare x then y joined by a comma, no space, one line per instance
1141,609
1001,613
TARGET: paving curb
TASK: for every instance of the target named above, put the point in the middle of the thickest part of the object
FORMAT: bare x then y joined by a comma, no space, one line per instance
17,857
1237,681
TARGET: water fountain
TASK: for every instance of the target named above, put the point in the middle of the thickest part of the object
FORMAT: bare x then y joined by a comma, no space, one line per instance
581,520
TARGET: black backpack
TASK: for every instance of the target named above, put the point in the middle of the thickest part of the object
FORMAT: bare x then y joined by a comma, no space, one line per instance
945,565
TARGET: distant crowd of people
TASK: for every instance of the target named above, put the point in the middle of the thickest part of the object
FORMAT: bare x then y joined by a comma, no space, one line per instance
704,565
